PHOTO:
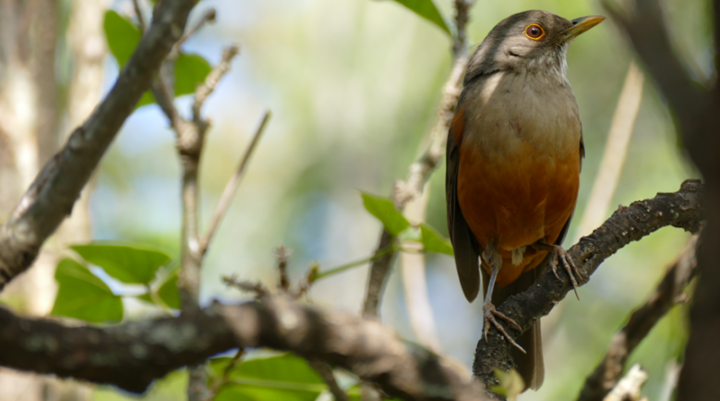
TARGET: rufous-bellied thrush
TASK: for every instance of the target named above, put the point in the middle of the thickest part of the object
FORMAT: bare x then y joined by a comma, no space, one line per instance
514,153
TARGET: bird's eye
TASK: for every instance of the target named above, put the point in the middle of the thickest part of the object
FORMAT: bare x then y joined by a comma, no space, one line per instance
534,32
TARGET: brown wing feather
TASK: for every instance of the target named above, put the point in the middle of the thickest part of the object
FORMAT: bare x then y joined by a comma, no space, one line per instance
466,248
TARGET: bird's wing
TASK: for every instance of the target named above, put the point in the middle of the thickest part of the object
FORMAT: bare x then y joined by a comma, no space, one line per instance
466,247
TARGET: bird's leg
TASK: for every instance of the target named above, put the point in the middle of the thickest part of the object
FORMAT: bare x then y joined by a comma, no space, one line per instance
489,312
559,254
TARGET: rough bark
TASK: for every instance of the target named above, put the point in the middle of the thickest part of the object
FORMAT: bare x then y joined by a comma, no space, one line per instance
682,209
51,196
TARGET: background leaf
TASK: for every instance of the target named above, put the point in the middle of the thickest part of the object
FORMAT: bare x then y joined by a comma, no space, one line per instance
384,209
284,377
190,71
434,242
125,263
122,36
81,295
168,292
428,10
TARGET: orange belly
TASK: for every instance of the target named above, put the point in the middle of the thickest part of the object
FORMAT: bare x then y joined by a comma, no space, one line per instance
517,199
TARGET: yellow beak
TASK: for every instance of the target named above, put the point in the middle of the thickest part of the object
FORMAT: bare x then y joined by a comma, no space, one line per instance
579,26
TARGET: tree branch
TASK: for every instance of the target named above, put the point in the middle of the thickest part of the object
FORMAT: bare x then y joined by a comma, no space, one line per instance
668,293
695,107
682,209
628,389
130,356
51,196
421,170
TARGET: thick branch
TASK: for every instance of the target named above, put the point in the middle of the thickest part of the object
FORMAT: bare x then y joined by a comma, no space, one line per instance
681,209
686,98
51,197
132,355
696,111
668,293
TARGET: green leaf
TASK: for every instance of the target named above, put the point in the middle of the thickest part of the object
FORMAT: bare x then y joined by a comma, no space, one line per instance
428,10
168,292
511,384
284,377
434,242
81,295
122,36
190,71
125,263
384,209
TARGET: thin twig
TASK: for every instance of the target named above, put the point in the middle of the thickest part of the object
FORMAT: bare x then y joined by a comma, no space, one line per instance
412,266
282,254
258,288
139,15
667,294
327,375
206,88
616,146
628,389
225,378
378,254
308,280
232,185
208,16
421,170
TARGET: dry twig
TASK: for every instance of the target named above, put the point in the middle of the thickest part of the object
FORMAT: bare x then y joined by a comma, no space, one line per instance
231,186
667,294
326,373
628,389
421,170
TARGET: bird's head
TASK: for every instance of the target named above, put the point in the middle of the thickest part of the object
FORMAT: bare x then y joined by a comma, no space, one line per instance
532,41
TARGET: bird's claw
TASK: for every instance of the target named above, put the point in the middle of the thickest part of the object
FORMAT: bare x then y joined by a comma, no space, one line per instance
490,314
561,255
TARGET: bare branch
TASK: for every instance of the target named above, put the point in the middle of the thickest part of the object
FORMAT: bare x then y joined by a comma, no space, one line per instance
326,373
139,15
51,197
686,98
618,139
132,355
628,389
208,16
421,170
225,378
203,91
667,294
682,209
246,286
695,108
282,254
232,185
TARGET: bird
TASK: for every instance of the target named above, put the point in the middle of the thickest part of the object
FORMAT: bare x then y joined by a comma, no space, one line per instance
514,155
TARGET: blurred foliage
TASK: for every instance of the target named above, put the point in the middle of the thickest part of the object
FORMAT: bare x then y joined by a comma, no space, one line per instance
354,86
123,37
81,295
428,10
85,296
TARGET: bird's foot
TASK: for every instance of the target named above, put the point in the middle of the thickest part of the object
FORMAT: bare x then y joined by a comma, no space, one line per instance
561,255
490,314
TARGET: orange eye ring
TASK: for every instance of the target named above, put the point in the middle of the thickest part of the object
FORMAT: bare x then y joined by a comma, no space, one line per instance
534,32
